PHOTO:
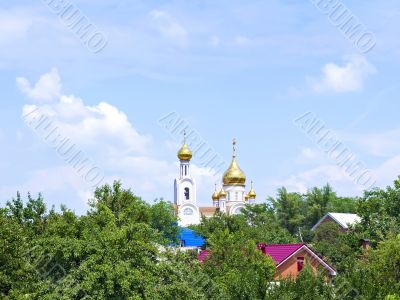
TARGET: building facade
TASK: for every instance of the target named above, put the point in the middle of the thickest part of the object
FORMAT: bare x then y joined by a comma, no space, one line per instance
291,258
230,198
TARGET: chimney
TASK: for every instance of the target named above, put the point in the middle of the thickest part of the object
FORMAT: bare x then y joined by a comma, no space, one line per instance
365,244
262,247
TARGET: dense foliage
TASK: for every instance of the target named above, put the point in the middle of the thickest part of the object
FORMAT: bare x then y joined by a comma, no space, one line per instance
123,248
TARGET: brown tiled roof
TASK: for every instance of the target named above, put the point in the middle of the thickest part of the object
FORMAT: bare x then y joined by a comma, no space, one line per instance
207,210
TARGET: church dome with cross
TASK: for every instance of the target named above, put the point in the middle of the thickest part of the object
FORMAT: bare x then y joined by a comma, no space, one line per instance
185,153
230,199
234,175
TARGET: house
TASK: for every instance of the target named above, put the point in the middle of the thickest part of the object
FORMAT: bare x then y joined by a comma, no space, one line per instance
290,259
344,220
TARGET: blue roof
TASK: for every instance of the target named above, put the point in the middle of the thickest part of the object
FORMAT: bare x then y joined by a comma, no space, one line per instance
190,238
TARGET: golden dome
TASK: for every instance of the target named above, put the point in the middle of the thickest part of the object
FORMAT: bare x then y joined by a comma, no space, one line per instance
215,196
185,153
252,193
234,175
246,197
222,193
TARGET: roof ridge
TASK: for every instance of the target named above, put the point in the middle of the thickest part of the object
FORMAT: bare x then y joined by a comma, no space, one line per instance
287,244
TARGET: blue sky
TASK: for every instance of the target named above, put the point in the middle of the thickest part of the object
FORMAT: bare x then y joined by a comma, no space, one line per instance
243,69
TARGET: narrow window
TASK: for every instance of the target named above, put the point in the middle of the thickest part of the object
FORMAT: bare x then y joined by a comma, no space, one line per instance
187,194
236,196
300,263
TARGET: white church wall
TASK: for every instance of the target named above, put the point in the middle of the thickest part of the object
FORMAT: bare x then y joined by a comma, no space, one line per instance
188,214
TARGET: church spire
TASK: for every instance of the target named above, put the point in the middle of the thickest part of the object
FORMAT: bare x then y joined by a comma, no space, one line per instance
234,175
234,148
252,194
185,153
215,195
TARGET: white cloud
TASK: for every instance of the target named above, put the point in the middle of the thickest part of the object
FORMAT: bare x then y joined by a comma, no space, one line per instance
47,89
347,78
319,176
47,179
320,171
242,41
309,155
388,171
385,143
215,41
113,144
14,25
86,125
169,27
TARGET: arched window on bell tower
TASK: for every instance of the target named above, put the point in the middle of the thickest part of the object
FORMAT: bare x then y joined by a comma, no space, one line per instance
187,193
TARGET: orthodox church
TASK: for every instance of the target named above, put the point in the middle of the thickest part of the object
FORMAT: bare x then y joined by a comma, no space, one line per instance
230,199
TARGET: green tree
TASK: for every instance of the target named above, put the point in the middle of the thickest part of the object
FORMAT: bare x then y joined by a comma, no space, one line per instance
385,263
344,204
263,226
289,209
14,269
376,274
181,276
113,252
238,268
319,202
257,222
338,247
15,208
379,211
164,220
307,285
220,221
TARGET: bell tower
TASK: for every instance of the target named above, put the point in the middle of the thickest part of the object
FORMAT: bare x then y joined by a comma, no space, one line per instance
185,189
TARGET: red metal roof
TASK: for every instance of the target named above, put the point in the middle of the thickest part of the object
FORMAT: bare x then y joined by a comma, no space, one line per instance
203,255
279,252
